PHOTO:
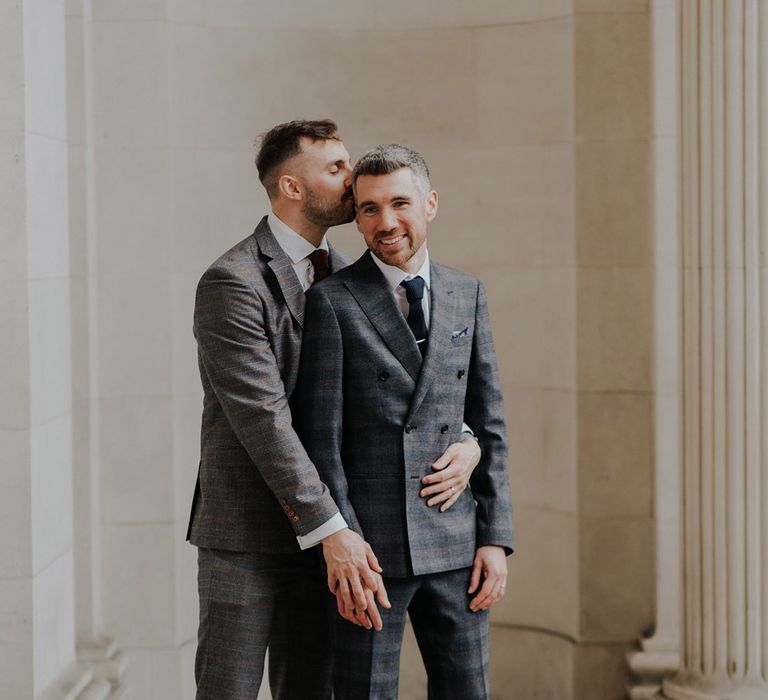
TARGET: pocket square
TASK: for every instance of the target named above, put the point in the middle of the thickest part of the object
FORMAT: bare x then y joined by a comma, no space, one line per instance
459,334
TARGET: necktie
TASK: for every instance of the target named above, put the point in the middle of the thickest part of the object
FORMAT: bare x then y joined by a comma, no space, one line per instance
414,292
319,260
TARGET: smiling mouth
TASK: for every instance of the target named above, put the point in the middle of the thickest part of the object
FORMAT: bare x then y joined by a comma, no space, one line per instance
391,241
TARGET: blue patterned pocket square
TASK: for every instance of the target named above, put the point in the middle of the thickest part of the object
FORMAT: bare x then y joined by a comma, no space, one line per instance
459,334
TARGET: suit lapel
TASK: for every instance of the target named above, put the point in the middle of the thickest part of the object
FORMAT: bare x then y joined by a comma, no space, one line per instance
282,267
370,290
441,321
336,261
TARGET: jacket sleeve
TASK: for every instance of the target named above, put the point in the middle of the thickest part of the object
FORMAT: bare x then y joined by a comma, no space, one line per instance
238,360
319,407
484,410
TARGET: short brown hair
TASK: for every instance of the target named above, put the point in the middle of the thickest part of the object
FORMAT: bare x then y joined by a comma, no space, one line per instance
384,160
283,142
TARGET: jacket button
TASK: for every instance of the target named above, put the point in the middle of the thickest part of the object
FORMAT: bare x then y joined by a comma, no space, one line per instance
295,518
408,428
460,373
444,429
383,376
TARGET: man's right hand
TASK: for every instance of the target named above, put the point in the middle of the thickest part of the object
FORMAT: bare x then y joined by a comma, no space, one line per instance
354,576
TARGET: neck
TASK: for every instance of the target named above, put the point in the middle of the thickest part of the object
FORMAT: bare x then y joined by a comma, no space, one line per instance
413,265
298,222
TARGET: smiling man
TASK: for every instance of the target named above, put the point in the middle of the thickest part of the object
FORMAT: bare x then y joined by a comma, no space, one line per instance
397,352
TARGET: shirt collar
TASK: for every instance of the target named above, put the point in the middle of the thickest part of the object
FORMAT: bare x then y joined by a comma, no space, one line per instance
394,275
295,246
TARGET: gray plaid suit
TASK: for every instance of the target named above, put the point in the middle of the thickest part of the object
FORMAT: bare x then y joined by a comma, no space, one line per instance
257,488
373,418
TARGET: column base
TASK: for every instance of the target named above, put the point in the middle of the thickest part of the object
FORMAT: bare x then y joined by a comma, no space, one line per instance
689,689
108,666
654,661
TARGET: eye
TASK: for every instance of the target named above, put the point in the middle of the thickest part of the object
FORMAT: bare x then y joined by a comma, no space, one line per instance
368,211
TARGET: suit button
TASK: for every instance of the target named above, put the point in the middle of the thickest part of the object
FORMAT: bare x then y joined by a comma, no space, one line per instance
409,428
460,373
295,518
444,429
383,376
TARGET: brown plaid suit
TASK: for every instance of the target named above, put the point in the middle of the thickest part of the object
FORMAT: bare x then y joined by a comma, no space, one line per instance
257,488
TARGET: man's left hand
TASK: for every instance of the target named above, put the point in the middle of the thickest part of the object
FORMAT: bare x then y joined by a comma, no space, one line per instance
490,565
452,472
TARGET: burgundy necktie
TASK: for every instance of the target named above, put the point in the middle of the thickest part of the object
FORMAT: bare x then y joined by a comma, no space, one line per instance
319,260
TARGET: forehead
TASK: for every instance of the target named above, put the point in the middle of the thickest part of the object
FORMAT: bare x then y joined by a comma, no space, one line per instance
401,182
322,151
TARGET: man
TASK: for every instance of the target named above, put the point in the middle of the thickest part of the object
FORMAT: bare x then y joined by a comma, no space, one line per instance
397,353
259,505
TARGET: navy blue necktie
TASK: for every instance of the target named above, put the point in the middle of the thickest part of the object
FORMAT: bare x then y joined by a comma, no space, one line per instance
414,292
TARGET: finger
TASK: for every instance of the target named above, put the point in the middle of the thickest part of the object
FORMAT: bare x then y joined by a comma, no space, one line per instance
480,601
449,502
449,492
474,579
333,583
373,611
361,618
373,562
382,596
358,593
446,458
437,477
345,612
346,595
438,482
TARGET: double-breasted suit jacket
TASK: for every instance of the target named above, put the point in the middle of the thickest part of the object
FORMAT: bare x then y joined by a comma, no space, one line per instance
374,416
257,489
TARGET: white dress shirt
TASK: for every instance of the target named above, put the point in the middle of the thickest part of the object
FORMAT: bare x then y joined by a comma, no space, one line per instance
298,250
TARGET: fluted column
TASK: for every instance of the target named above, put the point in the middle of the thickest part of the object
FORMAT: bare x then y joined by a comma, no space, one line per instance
724,167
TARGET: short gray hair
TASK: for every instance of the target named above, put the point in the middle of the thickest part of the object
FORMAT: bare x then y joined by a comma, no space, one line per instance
384,160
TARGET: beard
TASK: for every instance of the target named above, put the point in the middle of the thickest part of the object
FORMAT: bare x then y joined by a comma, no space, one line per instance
323,211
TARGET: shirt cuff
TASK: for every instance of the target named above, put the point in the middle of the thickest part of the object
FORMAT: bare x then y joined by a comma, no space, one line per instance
329,527
466,432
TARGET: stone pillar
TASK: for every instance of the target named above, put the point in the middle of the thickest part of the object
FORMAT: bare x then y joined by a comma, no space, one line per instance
658,655
724,175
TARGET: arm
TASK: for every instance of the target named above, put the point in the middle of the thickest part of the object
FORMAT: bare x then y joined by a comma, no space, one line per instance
353,572
490,484
239,363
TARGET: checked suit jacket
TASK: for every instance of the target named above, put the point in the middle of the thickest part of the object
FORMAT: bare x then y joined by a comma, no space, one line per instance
374,417
256,488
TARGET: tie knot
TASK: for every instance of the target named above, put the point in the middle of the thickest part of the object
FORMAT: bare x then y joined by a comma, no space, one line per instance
414,289
319,260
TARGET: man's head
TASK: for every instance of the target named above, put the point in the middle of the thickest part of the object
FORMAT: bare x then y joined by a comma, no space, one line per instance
395,201
305,167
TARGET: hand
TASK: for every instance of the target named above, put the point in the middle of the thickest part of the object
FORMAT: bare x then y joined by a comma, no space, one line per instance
354,574
491,564
452,472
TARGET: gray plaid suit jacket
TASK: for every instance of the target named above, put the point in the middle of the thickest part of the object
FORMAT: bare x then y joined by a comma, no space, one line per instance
374,418
256,487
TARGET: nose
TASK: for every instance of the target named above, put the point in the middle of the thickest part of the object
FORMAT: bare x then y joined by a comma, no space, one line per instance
387,220
348,178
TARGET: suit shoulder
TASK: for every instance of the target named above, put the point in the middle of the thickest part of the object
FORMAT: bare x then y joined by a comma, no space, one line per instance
239,262
457,277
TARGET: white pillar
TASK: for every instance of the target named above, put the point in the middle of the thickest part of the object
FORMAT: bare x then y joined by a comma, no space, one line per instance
724,126
659,653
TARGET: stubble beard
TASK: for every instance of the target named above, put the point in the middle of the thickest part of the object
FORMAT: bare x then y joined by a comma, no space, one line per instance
322,211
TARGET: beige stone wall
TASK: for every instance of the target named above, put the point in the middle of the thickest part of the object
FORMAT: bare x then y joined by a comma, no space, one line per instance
534,118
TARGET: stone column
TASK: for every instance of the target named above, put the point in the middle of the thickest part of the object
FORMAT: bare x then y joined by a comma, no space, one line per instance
724,175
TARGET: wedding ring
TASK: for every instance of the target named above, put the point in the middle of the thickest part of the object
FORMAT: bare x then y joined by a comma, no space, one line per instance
453,490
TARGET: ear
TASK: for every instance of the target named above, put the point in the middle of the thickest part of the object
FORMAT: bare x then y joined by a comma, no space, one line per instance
430,205
289,187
